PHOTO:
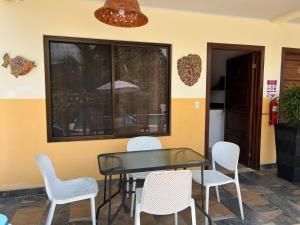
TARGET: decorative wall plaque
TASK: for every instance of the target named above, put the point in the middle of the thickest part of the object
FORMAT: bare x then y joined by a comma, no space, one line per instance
19,66
189,69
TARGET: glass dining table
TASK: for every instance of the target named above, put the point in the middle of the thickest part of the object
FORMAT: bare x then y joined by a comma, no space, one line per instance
123,163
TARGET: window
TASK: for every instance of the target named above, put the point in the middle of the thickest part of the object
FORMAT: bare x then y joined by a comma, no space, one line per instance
106,89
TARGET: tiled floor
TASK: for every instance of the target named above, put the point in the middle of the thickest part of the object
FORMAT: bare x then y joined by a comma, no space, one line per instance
267,200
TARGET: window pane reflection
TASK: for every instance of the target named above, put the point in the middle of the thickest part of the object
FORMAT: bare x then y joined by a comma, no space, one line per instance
79,105
141,89
106,89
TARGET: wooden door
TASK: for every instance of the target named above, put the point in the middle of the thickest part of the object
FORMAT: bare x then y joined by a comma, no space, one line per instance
240,80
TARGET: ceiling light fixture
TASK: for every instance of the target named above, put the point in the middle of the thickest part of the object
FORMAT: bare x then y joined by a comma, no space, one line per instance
121,13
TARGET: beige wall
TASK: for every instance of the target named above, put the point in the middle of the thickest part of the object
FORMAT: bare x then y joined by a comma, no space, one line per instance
23,135
22,100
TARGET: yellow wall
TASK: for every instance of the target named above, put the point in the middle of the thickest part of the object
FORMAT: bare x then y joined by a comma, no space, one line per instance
24,136
267,153
22,100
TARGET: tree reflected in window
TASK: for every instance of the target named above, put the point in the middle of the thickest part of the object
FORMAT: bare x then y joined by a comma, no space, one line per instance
104,89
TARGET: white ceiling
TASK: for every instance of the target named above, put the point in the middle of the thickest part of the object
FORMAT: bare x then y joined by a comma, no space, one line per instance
259,9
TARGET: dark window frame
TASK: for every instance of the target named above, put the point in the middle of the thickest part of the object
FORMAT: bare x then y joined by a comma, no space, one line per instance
48,39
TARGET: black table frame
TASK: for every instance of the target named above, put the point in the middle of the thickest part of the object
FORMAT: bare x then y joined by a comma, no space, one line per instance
108,181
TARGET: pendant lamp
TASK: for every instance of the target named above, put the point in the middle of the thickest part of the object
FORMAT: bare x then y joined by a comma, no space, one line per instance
121,13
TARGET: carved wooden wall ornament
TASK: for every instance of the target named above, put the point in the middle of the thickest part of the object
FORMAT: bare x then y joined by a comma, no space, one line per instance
189,69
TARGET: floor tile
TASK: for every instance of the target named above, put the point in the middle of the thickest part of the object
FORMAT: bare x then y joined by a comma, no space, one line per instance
28,216
267,200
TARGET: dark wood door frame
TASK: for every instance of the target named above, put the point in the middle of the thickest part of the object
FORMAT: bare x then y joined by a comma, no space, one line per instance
257,112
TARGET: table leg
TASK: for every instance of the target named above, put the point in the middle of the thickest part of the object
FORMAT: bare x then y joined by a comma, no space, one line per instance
104,198
120,182
124,183
202,187
105,184
109,199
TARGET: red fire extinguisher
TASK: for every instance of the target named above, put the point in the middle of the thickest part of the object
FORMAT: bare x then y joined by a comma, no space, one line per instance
274,109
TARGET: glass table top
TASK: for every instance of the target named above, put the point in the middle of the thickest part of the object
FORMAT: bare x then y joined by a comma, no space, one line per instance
141,161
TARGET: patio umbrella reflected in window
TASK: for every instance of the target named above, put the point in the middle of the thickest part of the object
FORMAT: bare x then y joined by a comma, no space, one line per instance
122,87
125,120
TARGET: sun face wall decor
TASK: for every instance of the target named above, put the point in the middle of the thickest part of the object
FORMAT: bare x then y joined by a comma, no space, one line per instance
189,69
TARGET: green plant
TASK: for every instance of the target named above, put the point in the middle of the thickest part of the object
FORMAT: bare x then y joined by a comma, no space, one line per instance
290,106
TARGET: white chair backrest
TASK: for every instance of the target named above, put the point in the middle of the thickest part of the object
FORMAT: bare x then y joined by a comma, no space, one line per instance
167,192
48,173
226,154
143,143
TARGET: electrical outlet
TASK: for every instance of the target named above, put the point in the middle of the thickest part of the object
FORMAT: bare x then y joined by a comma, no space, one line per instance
197,105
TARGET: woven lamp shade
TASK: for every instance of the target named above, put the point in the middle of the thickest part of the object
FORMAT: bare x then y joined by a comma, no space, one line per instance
121,13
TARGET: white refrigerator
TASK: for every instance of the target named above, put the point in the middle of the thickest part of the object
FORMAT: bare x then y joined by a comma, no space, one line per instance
216,126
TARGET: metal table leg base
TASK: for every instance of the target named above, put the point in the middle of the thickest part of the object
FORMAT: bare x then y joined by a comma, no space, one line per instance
108,199
105,200
204,213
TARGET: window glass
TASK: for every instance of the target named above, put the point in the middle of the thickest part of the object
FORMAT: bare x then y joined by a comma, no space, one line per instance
106,89
141,90
80,89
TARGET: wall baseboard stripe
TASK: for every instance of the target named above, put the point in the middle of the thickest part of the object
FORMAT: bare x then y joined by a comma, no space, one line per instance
268,166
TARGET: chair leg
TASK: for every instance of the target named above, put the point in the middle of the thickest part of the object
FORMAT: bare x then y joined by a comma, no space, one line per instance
127,185
137,220
206,203
240,199
217,193
176,218
132,197
93,212
51,213
193,210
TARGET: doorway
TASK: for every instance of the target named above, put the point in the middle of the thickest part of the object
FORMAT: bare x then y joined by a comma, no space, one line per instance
234,92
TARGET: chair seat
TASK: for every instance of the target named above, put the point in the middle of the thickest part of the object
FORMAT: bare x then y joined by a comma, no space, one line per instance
75,190
211,178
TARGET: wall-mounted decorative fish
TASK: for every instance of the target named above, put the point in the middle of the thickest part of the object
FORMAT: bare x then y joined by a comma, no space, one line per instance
19,66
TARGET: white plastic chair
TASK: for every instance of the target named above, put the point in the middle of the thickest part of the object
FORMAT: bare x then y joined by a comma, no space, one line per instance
63,192
225,154
3,220
143,143
165,193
